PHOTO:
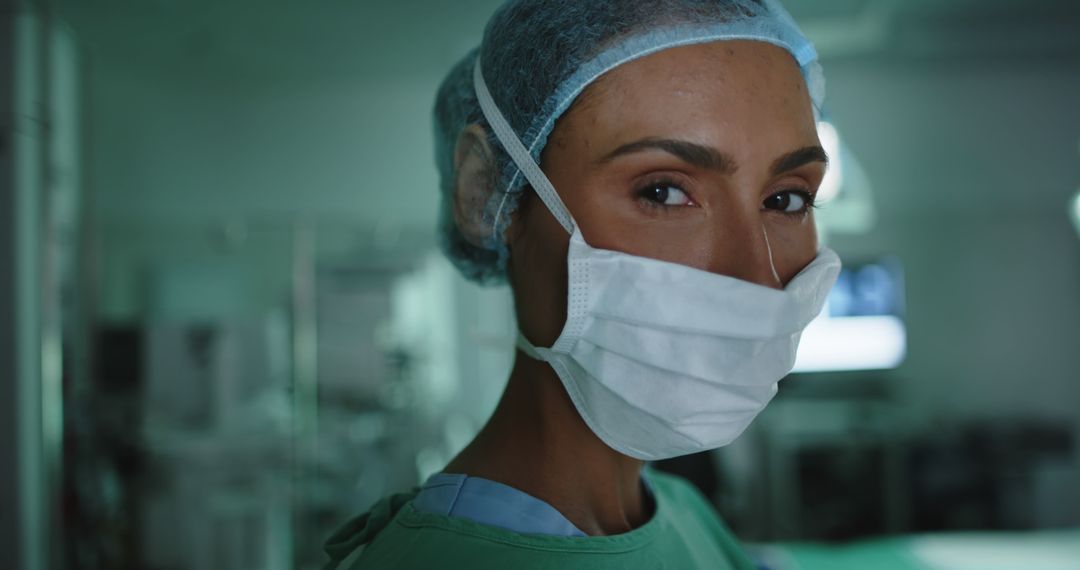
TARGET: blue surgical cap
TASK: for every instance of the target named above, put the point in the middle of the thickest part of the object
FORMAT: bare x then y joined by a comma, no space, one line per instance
537,57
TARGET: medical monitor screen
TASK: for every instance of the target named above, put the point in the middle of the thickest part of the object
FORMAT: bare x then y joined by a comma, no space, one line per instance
862,326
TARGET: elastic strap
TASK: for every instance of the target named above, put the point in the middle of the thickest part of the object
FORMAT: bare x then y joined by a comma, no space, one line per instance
528,348
519,154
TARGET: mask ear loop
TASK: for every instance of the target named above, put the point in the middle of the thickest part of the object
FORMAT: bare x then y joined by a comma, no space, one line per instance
521,157
536,177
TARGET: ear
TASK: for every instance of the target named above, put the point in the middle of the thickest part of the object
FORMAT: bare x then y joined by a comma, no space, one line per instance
474,165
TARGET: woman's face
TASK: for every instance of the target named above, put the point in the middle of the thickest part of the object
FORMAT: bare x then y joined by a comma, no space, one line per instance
703,155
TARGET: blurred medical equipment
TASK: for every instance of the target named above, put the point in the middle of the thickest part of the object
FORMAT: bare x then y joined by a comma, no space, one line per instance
203,445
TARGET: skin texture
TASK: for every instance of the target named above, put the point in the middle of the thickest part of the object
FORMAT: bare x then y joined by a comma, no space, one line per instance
743,101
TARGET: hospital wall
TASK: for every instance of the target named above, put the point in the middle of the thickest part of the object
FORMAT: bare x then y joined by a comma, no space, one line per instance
972,164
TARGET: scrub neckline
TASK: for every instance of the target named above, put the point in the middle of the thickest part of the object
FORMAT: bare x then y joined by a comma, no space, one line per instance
633,539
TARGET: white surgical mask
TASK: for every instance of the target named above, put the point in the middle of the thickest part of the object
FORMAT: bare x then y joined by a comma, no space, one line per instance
662,359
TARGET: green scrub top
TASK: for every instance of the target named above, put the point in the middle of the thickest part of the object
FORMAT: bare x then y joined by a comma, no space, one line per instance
684,532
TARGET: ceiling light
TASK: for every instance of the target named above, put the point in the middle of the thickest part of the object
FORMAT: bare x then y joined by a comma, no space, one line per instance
834,176
1074,211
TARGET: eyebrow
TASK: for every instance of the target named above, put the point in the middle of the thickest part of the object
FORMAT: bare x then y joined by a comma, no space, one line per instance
693,154
797,158
709,158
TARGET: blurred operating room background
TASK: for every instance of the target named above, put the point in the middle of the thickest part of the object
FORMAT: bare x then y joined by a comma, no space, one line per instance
225,327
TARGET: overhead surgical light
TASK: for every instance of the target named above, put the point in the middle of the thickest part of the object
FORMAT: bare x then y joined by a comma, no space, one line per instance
1074,211
834,176
845,193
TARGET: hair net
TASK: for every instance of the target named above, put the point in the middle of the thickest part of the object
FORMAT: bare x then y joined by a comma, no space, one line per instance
537,57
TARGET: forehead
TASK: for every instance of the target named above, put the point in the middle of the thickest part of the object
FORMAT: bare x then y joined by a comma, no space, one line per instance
709,92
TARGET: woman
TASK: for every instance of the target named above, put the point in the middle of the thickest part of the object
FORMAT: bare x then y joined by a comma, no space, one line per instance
642,174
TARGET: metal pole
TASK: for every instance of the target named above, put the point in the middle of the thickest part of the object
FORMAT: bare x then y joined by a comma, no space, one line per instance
23,500
305,373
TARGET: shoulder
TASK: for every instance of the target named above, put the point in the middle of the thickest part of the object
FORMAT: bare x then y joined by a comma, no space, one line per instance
423,540
390,543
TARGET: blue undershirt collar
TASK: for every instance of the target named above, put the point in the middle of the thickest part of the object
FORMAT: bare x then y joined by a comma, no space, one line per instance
491,503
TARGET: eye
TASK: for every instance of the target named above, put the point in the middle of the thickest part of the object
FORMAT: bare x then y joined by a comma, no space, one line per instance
663,194
789,202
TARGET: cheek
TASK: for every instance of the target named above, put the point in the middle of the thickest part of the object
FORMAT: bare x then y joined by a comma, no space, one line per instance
794,246
686,245
538,275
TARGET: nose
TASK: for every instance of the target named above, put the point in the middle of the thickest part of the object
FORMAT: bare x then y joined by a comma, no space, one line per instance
741,249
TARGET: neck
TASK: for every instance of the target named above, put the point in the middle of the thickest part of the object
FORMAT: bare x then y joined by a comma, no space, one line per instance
537,442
